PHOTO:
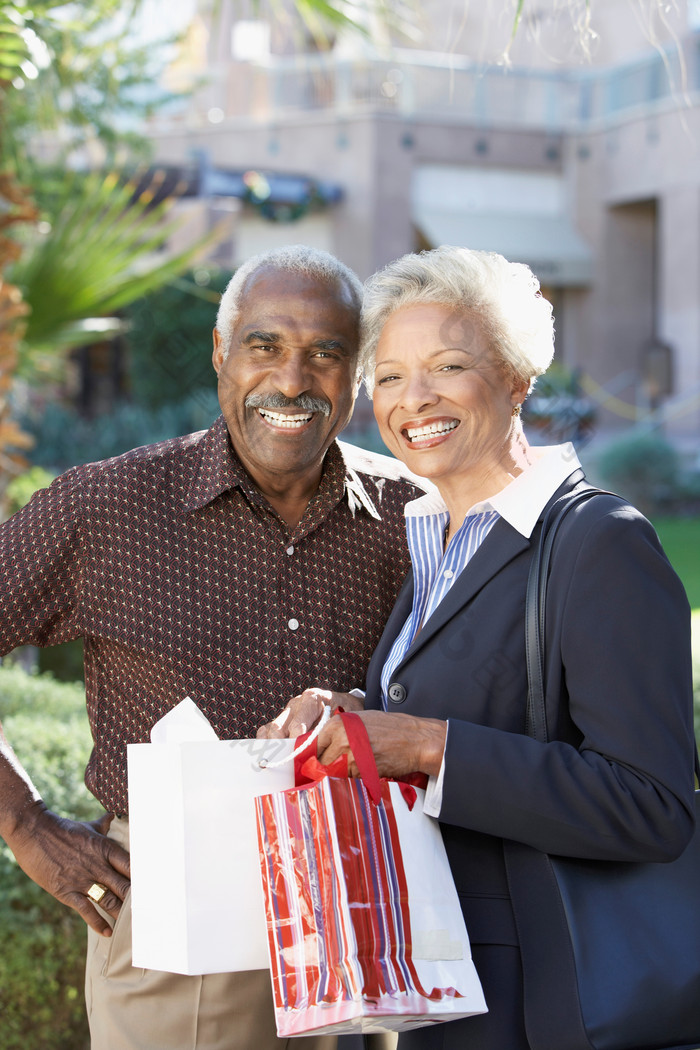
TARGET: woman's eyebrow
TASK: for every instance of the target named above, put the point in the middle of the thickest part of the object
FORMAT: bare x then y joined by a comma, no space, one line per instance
432,353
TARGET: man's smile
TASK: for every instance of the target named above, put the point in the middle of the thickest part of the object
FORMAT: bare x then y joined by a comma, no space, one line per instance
285,420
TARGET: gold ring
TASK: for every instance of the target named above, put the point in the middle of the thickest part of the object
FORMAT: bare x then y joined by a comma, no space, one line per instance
96,892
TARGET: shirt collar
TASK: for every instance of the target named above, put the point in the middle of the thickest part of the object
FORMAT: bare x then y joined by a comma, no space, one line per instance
218,469
521,502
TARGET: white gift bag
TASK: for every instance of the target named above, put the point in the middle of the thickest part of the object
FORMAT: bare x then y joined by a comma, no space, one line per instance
197,904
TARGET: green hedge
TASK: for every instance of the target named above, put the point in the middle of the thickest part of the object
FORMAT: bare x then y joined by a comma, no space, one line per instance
169,339
63,437
42,959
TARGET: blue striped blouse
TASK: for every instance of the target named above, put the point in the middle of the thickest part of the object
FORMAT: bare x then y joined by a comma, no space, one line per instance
434,571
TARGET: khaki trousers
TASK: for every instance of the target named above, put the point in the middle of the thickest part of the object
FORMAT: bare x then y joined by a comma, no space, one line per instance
133,1009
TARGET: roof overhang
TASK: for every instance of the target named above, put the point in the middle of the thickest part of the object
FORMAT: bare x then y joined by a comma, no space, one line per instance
549,244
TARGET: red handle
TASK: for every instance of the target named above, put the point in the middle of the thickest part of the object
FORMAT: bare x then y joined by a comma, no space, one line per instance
358,739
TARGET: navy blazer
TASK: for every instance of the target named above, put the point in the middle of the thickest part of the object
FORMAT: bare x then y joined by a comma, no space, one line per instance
616,779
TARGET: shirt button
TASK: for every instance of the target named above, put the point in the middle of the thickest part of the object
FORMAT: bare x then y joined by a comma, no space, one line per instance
292,624
397,693
290,550
448,574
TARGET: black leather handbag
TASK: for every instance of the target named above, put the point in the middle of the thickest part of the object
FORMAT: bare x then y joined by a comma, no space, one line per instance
617,964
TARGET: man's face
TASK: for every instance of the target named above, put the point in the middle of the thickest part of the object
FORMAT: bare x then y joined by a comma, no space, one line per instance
289,381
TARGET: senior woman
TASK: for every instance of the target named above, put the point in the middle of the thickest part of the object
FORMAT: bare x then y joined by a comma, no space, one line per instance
453,341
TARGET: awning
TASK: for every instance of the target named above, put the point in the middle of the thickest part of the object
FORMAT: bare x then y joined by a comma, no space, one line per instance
204,180
549,244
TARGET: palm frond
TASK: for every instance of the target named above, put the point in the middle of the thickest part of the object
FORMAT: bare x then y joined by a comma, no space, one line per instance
13,49
100,251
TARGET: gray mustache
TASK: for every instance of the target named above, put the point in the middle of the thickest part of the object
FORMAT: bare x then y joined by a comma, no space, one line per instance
304,401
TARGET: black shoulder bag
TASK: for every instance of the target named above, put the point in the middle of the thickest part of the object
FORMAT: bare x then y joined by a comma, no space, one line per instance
611,951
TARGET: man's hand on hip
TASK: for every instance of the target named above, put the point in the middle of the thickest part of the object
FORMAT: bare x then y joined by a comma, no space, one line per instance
67,858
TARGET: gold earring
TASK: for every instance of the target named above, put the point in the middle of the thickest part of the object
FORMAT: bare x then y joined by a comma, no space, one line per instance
516,410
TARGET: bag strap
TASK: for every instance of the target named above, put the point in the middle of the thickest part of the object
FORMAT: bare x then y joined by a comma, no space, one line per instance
535,609
535,612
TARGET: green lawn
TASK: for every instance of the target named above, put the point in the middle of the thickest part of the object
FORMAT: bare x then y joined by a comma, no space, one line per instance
681,540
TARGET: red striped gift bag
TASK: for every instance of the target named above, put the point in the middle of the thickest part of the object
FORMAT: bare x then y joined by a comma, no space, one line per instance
365,930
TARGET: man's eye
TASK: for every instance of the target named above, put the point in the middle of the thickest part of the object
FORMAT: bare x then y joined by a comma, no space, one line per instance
328,355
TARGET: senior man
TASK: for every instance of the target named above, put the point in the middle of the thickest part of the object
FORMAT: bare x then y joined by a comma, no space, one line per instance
235,566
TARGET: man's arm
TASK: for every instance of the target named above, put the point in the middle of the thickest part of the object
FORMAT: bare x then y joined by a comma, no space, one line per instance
40,552
64,857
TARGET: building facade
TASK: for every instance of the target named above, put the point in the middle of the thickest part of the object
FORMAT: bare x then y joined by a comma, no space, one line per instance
585,167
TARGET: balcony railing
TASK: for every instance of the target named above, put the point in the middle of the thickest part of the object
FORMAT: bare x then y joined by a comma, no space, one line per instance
450,87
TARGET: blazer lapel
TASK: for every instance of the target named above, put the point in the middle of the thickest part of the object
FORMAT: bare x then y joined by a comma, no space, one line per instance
502,545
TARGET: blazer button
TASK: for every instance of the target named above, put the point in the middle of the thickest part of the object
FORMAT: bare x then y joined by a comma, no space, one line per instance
397,693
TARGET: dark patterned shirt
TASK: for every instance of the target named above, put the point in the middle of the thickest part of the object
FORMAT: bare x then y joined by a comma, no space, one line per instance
183,581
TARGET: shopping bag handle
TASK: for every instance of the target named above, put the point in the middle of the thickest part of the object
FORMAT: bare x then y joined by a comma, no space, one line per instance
358,739
359,742
306,740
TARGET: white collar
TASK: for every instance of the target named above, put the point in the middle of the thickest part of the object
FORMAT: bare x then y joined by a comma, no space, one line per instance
523,499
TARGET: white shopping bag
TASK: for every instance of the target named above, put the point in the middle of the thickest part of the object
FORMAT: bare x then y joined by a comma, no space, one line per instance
197,904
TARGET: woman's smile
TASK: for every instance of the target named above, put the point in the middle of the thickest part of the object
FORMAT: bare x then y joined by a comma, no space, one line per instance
429,433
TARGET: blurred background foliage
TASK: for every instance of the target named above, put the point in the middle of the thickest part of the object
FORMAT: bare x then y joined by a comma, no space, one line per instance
42,962
77,242
169,338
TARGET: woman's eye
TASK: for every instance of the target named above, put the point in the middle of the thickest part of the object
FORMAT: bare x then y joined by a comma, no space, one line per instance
386,379
451,368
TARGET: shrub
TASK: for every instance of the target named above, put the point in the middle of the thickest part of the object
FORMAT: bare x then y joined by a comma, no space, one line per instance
557,410
65,438
42,961
169,339
21,489
643,468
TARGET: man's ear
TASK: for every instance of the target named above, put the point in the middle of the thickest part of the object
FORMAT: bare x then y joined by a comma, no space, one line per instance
218,354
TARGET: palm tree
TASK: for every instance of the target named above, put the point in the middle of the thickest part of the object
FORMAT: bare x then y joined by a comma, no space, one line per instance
91,247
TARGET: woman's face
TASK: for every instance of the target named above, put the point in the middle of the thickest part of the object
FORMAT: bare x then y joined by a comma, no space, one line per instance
443,401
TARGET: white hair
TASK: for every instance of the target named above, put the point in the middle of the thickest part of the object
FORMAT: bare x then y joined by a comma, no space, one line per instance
505,296
296,258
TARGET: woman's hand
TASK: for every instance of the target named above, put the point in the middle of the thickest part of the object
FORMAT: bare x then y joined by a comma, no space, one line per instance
303,712
401,743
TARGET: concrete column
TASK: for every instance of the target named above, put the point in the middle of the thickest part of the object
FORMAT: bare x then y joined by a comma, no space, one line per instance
678,252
